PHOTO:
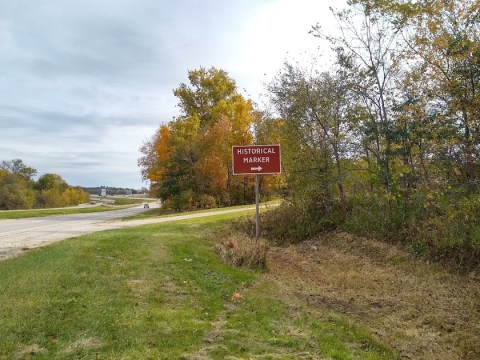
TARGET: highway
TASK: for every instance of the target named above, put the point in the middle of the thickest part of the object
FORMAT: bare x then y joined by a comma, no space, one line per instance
19,235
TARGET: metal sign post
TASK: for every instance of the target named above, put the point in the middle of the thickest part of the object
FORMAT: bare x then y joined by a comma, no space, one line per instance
257,207
255,160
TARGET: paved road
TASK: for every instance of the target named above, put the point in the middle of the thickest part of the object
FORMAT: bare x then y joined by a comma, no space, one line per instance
20,235
17,235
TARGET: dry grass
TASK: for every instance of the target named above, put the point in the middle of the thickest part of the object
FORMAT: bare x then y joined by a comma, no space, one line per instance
243,251
422,311
139,288
84,343
30,351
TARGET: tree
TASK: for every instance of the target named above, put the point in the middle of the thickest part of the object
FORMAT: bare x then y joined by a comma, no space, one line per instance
444,38
51,181
157,153
16,166
316,131
15,193
366,53
19,191
442,71
211,93
190,157
53,191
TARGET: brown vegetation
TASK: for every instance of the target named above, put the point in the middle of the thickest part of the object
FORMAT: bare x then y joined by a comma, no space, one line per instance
241,250
420,309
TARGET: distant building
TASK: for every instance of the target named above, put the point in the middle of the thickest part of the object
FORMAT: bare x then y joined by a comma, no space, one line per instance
103,191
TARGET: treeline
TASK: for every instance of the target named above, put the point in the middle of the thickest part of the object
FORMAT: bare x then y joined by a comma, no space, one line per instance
384,141
387,141
19,190
188,161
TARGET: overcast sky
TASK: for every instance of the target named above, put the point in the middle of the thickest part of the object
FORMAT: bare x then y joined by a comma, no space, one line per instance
83,83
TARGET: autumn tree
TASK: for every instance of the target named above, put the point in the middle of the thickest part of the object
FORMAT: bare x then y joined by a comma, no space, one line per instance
441,64
18,189
444,44
391,133
189,159
15,185
51,181
15,192
53,191
209,94
157,153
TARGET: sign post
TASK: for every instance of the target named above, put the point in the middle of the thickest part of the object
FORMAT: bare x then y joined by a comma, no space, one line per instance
256,160
257,206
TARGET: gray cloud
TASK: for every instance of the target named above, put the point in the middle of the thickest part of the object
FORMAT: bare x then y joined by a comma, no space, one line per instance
12,117
83,83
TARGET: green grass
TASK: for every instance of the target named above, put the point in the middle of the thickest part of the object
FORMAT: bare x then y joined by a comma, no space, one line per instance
263,325
122,200
20,214
161,212
158,292
126,201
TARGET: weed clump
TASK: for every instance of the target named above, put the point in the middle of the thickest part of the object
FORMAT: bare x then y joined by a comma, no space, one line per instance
243,251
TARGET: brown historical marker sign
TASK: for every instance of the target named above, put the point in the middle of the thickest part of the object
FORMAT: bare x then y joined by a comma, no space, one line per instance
256,159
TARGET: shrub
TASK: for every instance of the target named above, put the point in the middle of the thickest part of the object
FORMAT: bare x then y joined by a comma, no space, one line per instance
168,206
291,224
373,214
188,200
206,202
13,197
451,231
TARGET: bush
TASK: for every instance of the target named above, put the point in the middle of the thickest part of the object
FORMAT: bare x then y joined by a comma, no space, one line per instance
374,214
188,200
206,202
451,231
291,224
13,197
168,206
439,224
242,251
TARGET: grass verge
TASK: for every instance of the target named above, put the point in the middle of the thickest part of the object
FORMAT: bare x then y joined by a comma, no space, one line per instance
127,201
152,213
20,214
158,292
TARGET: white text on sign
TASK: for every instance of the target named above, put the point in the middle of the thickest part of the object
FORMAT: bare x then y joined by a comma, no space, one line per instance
254,159
255,151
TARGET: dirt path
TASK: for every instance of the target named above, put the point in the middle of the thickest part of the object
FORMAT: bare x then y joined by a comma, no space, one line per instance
421,310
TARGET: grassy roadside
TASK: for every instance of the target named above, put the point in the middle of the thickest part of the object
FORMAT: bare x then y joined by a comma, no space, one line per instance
152,213
20,214
125,200
158,291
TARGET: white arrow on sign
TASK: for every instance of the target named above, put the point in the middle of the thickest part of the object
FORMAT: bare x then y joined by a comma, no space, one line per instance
258,168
